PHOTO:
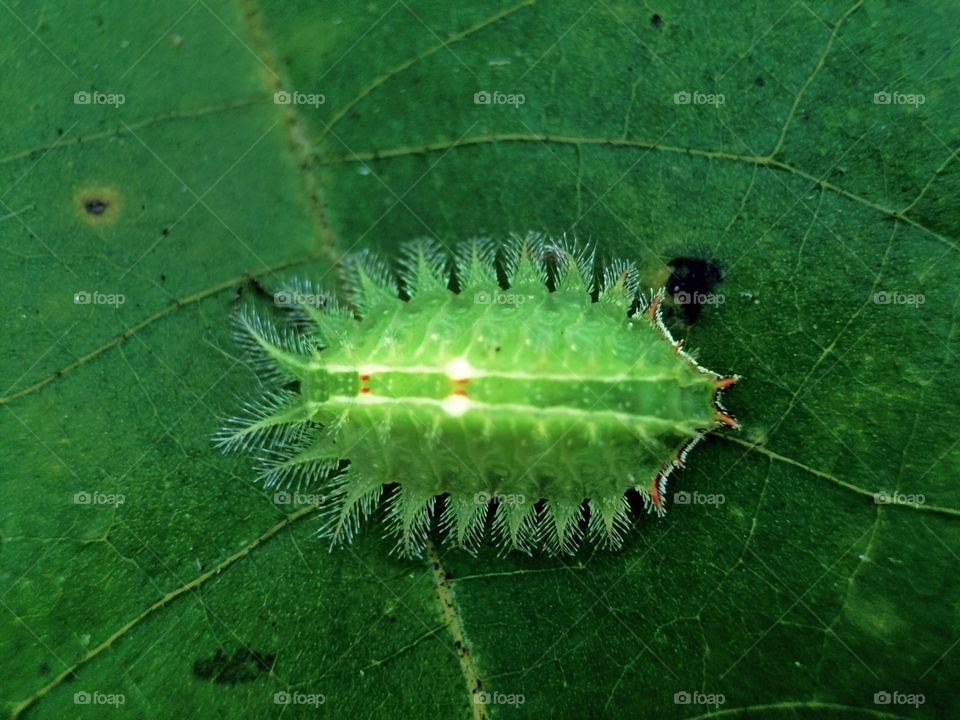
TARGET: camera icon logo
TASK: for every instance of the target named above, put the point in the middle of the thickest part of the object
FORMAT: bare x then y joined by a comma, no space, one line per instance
281,698
681,498
82,98
882,98
82,498
282,498
81,698
81,298
282,97
681,698
481,698
681,98
482,97
882,698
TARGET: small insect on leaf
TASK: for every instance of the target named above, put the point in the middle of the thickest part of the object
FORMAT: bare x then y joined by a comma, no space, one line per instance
513,405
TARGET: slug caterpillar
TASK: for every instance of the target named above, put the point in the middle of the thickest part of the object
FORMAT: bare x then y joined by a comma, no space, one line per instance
508,389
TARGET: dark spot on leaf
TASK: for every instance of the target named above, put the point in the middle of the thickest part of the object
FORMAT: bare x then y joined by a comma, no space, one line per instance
497,349
242,667
165,232
656,20
59,131
253,284
690,285
96,206
759,82
635,501
163,278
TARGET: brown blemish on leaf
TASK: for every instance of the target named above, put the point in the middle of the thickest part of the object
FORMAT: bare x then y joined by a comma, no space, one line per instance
98,205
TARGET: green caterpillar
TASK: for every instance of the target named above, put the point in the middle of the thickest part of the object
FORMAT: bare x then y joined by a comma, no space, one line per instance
508,389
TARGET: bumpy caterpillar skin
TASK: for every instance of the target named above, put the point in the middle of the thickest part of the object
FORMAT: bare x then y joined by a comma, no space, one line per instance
525,408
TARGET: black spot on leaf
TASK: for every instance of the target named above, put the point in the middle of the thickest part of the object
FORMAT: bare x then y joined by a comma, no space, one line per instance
690,285
96,206
243,666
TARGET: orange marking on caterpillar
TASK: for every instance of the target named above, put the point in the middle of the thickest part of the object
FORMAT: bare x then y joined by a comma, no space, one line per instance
655,492
725,382
653,308
722,417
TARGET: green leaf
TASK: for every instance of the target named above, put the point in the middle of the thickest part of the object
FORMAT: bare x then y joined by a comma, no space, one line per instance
828,206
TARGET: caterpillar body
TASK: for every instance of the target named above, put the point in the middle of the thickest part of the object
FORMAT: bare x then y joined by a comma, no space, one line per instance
509,390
